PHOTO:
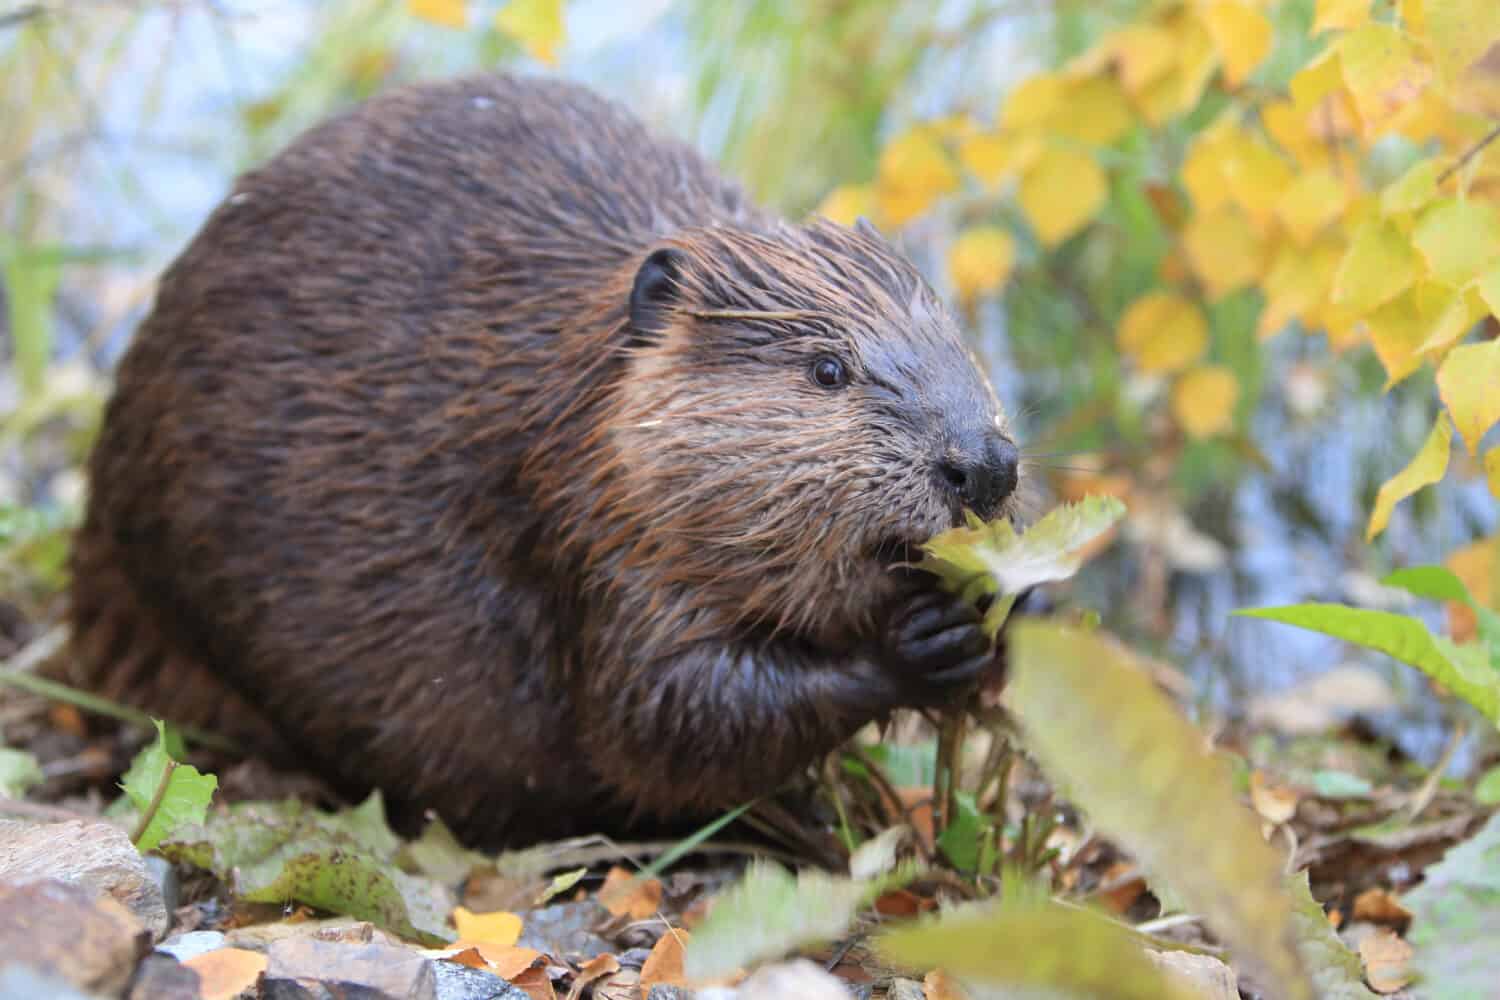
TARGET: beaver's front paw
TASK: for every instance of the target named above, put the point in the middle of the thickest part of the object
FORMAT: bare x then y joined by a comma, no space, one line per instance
935,644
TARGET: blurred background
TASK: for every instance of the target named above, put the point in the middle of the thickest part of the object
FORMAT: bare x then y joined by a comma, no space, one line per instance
1248,442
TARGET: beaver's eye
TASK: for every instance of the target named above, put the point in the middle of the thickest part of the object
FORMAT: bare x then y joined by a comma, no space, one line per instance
829,373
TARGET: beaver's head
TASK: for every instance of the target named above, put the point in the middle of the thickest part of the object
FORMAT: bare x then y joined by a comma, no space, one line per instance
797,414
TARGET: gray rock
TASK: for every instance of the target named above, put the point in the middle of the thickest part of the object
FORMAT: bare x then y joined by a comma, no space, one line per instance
164,874
660,992
161,977
310,969
94,854
20,983
566,929
184,946
66,930
905,989
460,982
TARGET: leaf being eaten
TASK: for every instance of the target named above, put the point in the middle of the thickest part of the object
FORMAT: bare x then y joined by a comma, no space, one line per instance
183,801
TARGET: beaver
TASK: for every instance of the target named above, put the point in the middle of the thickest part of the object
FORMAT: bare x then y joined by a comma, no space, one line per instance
487,449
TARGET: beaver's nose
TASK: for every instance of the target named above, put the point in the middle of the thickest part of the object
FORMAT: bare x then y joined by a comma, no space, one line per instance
982,472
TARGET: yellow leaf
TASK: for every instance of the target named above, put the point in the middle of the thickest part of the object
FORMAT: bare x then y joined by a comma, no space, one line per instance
497,928
846,203
1312,201
1488,287
1413,189
1242,36
1379,266
1177,91
1492,470
1398,329
993,157
448,13
980,260
1462,33
1317,80
1382,70
1469,382
1257,175
1142,53
1340,14
1203,400
1456,316
1288,125
1459,238
536,24
1060,193
914,172
1203,175
1426,468
1414,17
1162,332
1034,102
1297,281
1094,110
1224,251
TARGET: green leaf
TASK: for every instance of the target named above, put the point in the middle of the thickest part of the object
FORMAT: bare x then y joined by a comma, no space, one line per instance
18,772
1091,717
1456,919
181,803
994,558
1464,670
1341,785
1487,788
1041,945
769,913
1337,972
274,852
561,883
438,854
1438,583
961,841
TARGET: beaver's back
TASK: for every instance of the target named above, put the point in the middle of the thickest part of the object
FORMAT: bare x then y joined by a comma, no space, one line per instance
297,426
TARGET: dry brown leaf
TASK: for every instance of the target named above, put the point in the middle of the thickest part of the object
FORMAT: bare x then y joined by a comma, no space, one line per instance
916,809
1276,803
1387,960
938,985
622,985
500,928
535,983
1380,907
664,965
464,956
902,903
225,973
595,968
505,961
625,895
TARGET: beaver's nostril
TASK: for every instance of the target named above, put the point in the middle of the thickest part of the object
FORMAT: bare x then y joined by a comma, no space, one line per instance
984,479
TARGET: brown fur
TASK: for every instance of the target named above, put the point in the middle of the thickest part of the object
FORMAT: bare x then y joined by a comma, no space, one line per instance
389,463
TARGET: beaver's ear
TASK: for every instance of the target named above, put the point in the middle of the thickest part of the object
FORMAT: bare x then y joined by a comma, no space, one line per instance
865,227
657,286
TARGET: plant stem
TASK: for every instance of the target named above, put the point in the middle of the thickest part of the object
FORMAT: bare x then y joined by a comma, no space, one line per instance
151,810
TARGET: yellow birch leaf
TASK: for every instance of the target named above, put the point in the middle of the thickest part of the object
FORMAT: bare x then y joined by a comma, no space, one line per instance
1413,189
1340,15
1413,17
992,157
1203,400
1297,281
1456,317
448,13
1257,176
1162,332
980,260
1242,36
1094,111
1462,32
1224,251
1203,174
536,24
1488,287
1426,468
1469,382
1061,192
1312,201
1178,91
1379,266
1317,80
1288,125
1034,102
914,171
1492,470
1142,53
1344,327
1459,238
498,927
846,203
1382,70
1398,330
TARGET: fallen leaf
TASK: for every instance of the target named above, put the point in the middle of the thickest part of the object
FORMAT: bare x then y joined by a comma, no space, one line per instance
1425,468
499,928
624,895
1380,907
535,983
664,965
938,985
1387,960
595,968
225,973
1275,803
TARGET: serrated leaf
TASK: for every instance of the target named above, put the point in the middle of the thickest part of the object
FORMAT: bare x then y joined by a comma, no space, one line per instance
1380,265
980,260
1045,946
1203,400
1427,467
997,559
1439,583
182,803
1459,238
1162,332
768,913
18,772
1456,919
1060,192
536,24
1090,716
1242,36
1469,382
448,13
274,852
1336,972
1464,670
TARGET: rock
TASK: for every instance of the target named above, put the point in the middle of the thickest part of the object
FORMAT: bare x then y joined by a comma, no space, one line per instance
94,854
164,874
460,982
660,992
162,977
18,983
799,978
66,930
905,989
344,930
566,930
308,969
184,946
1203,975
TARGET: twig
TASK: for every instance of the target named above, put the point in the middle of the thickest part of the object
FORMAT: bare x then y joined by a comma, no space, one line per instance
1469,154
1423,798
155,806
